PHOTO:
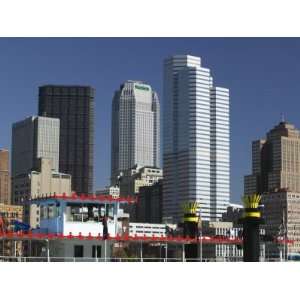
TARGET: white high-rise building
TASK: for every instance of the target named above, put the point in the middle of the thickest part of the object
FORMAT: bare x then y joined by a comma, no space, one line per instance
196,139
135,128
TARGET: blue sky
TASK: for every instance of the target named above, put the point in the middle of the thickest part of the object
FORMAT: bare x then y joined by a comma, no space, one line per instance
263,75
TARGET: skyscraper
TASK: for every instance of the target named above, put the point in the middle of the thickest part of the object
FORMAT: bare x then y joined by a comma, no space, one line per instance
74,106
135,128
4,177
33,138
275,161
196,139
276,175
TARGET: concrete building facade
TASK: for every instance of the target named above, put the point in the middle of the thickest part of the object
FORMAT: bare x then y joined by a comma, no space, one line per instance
137,177
5,184
135,128
133,180
196,139
74,107
282,221
275,161
149,230
33,138
42,182
276,176
113,191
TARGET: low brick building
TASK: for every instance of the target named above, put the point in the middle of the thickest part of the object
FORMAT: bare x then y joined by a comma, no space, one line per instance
9,213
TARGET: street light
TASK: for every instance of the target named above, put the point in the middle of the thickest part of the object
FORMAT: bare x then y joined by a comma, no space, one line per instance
201,244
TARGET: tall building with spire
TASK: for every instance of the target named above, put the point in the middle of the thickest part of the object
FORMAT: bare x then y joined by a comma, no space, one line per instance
135,128
196,139
275,161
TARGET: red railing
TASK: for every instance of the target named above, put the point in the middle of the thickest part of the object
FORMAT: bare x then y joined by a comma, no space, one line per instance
125,238
84,197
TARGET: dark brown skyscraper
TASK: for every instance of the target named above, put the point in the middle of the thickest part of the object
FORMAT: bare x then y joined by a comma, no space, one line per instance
74,106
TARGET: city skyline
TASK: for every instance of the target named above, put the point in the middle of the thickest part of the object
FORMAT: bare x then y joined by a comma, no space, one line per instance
252,70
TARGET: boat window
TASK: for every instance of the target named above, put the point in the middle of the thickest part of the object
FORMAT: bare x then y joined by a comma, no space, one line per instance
81,212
